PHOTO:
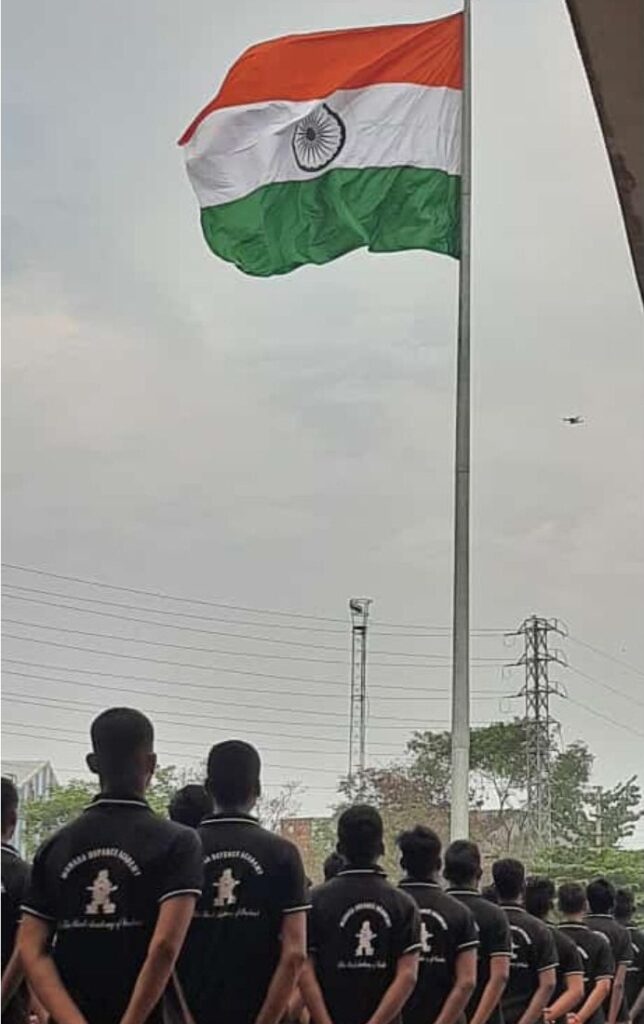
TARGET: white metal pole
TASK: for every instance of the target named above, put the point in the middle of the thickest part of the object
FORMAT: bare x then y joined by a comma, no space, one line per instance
461,595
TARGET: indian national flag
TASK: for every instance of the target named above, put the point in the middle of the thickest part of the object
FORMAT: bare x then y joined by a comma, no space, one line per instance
319,144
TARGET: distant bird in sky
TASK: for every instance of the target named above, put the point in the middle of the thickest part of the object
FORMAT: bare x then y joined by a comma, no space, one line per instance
573,421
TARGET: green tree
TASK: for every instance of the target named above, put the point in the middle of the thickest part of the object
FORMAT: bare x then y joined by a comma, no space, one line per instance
44,815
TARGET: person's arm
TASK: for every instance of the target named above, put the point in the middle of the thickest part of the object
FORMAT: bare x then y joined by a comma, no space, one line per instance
592,1004
491,994
291,961
571,997
41,972
637,1007
617,993
546,986
11,978
464,985
399,991
312,994
175,915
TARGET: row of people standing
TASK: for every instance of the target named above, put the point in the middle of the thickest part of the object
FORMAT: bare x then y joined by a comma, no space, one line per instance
131,918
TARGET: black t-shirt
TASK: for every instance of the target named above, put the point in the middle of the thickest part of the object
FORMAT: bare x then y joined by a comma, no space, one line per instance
533,951
635,971
15,879
447,928
620,943
494,940
596,957
99,881
252,877
569,959
359,928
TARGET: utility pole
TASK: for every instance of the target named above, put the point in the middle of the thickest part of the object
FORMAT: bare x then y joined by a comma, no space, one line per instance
359,609
538,688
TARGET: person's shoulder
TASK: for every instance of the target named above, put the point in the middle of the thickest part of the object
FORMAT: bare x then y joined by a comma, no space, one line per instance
401,899
283,849
563,940
536,927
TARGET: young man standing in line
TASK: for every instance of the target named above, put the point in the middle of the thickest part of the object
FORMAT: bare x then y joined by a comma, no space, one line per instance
247,942
595,952
364,934
463,873
634,987
15,879
449,937
533,968
600,895
112,893
190,805
569,992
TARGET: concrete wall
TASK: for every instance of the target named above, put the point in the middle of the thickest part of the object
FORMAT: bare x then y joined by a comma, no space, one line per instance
610,36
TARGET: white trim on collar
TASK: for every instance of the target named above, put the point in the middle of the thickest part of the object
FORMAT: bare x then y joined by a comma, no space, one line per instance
228,821
115,800
463,892
8,848
360,871
608,916
512,906
425,885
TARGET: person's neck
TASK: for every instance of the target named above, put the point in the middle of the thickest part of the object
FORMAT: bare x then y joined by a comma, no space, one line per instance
510,901
132,789
471,886
245,811
7,837
424,879
574,918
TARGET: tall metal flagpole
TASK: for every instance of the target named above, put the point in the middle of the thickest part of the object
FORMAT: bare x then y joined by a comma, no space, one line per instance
461,596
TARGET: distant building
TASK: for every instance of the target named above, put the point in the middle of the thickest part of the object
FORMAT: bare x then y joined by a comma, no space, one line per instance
32,779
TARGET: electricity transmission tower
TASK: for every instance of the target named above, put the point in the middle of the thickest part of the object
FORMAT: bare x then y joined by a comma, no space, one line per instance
359,609
538,688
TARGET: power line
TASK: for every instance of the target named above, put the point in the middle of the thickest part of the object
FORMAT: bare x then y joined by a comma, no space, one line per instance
605,654
312,712
214,632
166,753
164,595
606,686
605,718
223,669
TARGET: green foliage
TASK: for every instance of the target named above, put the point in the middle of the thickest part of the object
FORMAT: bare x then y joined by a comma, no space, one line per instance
45,815
583,863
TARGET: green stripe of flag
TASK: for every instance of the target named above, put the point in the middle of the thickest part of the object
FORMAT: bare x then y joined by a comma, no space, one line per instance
282,226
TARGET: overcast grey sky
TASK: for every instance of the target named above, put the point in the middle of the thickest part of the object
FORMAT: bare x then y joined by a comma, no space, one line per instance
284,444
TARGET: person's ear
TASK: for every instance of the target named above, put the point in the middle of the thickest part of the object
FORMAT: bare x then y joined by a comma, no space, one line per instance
92,763
150,765
381,849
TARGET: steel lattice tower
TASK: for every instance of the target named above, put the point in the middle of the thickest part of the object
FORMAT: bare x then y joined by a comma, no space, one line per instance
537,690
359,609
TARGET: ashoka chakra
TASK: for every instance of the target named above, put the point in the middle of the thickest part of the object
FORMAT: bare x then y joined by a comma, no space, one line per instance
318,138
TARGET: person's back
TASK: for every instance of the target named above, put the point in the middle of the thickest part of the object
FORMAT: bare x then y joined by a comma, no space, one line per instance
634,984
15,880
364,934
463,871
101,885
253,880
569,989
601,898
534,956
449,937
594,949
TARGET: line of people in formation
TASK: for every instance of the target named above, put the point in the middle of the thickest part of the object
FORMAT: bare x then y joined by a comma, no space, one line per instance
127,917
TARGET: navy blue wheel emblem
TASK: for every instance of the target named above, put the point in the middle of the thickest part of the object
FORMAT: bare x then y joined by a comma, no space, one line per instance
318,138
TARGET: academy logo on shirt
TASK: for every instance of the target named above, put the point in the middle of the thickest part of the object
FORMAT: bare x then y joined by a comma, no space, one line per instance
226,872
429,919
425,936
226,885
101,893
101,890
365,938
363,935
519,949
